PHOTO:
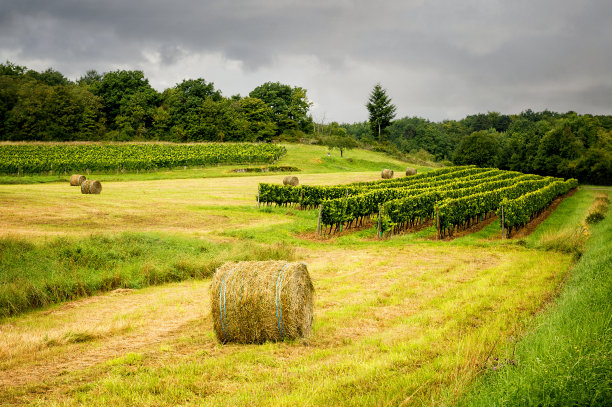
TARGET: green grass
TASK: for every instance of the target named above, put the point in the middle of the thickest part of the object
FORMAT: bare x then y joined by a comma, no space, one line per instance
569,214
566,359
407,320
34,275
308,158
408,326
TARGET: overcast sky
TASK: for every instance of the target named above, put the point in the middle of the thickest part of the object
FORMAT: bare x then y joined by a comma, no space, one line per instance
438,59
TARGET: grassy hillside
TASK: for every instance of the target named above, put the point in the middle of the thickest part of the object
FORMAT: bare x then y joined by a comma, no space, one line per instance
566,359
309,159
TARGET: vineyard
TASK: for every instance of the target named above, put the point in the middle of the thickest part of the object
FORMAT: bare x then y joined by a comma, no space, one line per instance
453,198
37,158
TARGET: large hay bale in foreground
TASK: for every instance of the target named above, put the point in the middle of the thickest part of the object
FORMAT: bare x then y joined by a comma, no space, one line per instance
410,171
76,180
387,174
291,180
259,301
91,187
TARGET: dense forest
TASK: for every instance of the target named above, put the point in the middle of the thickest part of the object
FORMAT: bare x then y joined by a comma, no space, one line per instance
546,143
122,105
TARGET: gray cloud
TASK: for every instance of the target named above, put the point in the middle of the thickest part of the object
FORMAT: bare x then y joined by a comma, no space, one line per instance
438,59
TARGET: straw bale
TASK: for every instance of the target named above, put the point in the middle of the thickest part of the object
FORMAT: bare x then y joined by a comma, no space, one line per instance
95,187
91,187
387,174
85,187
291,180
411,171
76,180
259,301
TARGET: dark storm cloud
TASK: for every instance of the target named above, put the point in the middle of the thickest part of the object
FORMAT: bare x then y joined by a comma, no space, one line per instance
437,58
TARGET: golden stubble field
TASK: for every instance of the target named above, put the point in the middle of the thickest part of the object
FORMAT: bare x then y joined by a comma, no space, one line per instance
395,324
183,205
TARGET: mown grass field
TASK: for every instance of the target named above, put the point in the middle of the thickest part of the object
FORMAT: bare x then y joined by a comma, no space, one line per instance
124,312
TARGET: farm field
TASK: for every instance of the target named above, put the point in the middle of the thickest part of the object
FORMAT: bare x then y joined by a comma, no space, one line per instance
408,320
308,159
192,206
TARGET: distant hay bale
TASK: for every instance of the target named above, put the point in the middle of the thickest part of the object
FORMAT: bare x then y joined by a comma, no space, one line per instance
95,187
259,301
387,174
91,187
411,171
76,180
85,187
291,180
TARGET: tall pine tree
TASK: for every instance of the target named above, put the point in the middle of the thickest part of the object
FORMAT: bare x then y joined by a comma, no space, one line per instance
382,111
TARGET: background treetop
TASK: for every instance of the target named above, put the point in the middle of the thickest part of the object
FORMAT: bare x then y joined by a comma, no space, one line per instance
381,111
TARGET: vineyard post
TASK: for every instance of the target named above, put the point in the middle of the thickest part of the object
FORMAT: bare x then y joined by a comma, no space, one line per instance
502,221
438,223
258,199
379,219
343,210
319,220
301,197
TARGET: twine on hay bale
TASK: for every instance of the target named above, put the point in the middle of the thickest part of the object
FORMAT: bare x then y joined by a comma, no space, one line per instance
411,171
91,187
259,301
387,174
76,180
291,180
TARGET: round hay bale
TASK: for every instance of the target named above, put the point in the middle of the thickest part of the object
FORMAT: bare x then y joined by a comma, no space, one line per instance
91,187
259,301
95,187
410,171
387,174
85,187
76,180
291,180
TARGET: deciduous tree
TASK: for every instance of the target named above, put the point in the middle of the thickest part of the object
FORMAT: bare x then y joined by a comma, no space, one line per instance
290,105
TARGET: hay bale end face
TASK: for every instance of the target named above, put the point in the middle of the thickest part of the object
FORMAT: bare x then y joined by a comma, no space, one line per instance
291,180
410,171
76,180
91,187
259,301
387,174
95,187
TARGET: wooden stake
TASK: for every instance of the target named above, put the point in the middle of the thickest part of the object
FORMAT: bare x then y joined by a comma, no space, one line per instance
319,221
258,199
379,221
438,223
502,221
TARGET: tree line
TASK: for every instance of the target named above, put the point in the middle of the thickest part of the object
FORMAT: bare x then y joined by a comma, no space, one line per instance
567,145
121,105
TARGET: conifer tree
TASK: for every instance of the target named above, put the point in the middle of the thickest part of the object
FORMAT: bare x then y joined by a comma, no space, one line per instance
382,111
